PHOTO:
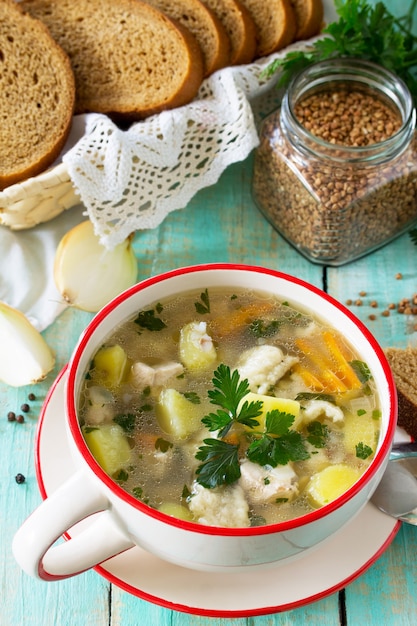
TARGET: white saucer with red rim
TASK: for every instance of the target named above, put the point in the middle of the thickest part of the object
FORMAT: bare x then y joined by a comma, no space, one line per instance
331,566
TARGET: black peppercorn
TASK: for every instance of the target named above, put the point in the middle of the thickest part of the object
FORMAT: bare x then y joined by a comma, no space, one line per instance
19,478
31,396
20,419
11,416
25,408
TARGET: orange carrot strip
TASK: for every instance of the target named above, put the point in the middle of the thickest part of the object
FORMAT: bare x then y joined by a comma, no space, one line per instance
322,363
344,370
240,317
308,377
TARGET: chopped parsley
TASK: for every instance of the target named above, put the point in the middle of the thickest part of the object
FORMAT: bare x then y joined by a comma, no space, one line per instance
261,328
361,370
203,307
363,451
147,320
121,476
126,421
192,397
318,434
308,395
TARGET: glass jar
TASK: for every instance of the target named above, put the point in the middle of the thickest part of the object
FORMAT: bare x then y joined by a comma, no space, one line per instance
333,200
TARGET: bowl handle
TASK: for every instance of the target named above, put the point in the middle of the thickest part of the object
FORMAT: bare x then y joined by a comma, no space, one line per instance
75,500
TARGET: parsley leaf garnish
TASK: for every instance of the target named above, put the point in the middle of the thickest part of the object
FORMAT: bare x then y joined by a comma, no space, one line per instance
148,320
126,421
228,393
203,307
220,463
192,397
308,395
318,434
361,370
278,444
260,328
121,476
363,451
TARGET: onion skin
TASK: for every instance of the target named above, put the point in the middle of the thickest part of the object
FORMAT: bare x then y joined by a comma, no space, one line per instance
88,275
25,357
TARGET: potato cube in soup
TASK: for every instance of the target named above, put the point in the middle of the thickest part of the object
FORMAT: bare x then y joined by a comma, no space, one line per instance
270,403
109,446
111,366
176,510
197,351
176,415
330,483
359,429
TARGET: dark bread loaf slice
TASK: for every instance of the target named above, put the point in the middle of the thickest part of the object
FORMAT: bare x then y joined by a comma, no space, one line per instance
240,27
37,96
204,25
129,59
309,17
403,363
275,22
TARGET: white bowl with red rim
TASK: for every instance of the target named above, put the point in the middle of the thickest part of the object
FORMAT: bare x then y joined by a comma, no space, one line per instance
121,521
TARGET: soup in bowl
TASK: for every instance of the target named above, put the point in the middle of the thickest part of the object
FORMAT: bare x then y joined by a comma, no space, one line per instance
220,416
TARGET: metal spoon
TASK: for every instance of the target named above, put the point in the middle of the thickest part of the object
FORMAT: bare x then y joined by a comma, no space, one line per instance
396,494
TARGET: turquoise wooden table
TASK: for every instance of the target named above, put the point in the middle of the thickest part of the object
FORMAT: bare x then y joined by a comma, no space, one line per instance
220,224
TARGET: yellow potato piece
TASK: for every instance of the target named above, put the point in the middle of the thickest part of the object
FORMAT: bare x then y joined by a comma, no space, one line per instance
110,366
109,446
359,429
176,510
176,415
330,483
270,403
197,351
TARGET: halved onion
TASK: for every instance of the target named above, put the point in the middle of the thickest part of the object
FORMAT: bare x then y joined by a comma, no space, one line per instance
87,274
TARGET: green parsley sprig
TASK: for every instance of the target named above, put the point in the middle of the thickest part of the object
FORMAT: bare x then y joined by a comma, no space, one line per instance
279,444
363,31
276,445
228,393
220,463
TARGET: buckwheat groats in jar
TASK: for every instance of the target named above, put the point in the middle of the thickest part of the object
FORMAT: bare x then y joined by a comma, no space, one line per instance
336,169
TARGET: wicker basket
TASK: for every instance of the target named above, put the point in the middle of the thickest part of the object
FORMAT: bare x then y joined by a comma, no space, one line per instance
38,199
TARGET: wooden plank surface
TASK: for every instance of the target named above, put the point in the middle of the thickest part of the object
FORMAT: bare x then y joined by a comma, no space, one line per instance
220,224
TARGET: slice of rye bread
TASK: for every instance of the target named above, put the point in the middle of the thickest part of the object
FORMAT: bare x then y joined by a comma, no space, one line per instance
309,18
129,59
37,96
240,27
403,363
206,28
275,22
